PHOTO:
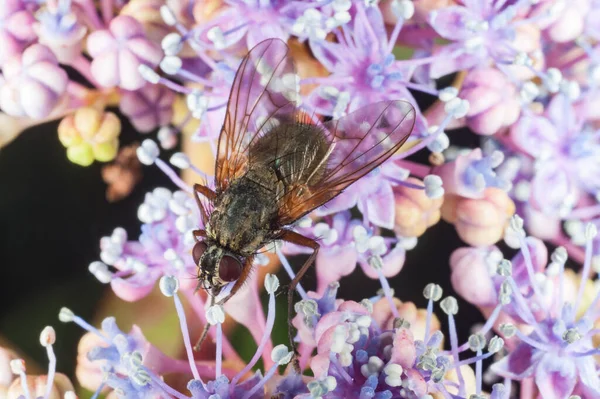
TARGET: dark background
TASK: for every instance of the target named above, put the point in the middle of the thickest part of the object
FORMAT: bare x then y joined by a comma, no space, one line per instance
53,214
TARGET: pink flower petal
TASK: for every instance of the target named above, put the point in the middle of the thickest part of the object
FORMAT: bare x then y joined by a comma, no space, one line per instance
100,42
20,26
9,101
51,75
470,275
105,70
334,263
129,76
10,47
369,33
393,261
342,202
319,365
404,351
326,53
36,99
129,292
37,53
146,51
125,27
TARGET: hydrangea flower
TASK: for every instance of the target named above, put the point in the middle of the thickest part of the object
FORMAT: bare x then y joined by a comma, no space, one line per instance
558,137
32,83
255,20
357,354
346,242
118,52
482,32
494,101
372,73
550,341
90,135
16,28
163,247
60,30
148,108
22,385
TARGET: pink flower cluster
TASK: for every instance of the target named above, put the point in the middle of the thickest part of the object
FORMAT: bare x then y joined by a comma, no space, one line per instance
521,76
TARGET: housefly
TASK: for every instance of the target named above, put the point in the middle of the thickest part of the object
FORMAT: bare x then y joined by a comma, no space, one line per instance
274,165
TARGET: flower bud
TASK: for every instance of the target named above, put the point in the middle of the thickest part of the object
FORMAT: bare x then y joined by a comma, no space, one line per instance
479,222
90,135
493,99
415,212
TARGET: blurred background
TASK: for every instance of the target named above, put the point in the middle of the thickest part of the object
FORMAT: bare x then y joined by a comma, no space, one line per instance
52,216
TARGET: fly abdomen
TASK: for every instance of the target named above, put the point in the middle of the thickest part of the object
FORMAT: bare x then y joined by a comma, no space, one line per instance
296,152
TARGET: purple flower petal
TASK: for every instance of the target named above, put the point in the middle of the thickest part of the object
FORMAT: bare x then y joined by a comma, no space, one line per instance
539,259
448,61
589,381
535,135
380,206
555,376
561,112
369,31
519,364
451,22
326,53
345,200
555,176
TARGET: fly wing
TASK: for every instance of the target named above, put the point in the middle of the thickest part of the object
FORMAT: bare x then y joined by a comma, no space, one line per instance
265,90
358,142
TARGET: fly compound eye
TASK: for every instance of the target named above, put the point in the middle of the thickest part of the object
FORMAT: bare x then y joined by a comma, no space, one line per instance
197,252
230,268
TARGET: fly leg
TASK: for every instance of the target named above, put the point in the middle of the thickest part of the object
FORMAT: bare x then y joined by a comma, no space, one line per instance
206,193
298,239
206,326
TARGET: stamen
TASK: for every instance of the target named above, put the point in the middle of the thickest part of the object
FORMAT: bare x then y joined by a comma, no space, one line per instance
403,10
17,366
525,313
517,225
219,351
98,390
280,356
290,272
169,285
66,315
450,307
489,323
430,138
530,341
386,289
333,357
590,233
167,170
432,293
47,339
271,285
